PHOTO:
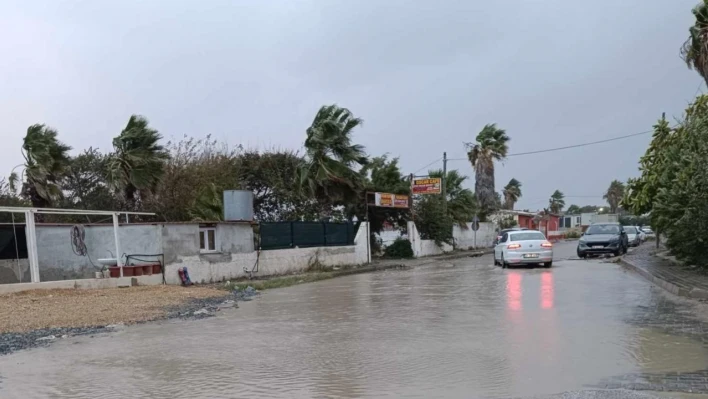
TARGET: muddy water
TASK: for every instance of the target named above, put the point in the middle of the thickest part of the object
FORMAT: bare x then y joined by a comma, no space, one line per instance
468,330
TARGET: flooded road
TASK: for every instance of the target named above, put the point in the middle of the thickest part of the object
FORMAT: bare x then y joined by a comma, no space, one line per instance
461,328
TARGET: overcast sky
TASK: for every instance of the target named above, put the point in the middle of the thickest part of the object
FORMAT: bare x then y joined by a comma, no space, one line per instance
425,76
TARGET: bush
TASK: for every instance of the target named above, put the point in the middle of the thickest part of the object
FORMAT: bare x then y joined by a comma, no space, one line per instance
572,234
401,248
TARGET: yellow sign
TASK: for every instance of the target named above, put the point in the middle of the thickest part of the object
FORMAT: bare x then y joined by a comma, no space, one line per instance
427,186
387,200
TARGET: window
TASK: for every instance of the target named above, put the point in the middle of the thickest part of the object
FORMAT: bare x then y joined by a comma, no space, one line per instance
603,229
207,239
504,237
528,236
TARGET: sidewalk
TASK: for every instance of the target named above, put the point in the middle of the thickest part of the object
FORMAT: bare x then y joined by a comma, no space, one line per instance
677,279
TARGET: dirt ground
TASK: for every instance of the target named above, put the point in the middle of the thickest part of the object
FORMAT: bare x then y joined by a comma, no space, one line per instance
31,310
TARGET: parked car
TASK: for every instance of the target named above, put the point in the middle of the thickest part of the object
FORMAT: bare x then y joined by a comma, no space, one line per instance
648,232
603,238
634,237
642,234
523,247
501,233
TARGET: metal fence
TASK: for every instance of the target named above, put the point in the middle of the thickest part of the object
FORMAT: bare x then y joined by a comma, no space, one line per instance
282,235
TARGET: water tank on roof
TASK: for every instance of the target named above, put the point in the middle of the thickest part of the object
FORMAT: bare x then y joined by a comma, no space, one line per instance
238,205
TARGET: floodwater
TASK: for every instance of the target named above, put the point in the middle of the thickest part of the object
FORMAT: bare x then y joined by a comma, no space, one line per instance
461,328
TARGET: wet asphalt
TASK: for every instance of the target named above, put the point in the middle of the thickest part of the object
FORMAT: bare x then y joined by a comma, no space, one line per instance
458,328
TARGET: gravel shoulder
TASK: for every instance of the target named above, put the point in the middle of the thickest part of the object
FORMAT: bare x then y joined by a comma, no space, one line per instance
34,318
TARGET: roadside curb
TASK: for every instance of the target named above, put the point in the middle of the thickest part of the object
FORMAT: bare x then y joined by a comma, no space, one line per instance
693,293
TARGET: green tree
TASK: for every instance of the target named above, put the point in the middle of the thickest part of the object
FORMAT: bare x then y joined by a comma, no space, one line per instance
46,162
641,193
330,158
695,50
138,162
85,185
491,145
432,221
461,204
512,193
573,210
557,202
614,195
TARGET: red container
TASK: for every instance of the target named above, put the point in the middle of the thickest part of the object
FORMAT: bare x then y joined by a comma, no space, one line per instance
128,271
147,270
115,271
156,269
137,270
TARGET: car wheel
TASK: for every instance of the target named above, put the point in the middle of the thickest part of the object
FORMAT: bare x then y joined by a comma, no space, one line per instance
548,265
496,262
503,264
582,255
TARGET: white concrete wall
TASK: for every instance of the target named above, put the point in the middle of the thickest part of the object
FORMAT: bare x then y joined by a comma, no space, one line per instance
210,268
465,238
388,237
14,271
57,260
422,247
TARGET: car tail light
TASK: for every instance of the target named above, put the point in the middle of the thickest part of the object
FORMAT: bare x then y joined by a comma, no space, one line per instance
513,246
547,244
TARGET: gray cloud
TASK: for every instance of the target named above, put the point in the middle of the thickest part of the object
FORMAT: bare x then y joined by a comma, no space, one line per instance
425,76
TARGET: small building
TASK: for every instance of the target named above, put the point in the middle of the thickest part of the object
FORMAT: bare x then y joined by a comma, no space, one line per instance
583,220
522,218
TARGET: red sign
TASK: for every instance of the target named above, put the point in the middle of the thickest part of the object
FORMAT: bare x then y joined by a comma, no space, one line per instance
427,186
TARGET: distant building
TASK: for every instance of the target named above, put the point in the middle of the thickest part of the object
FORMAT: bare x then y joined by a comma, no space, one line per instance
583,220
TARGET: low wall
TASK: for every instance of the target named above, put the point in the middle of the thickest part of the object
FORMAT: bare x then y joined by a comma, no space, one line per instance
14,271
465,238
422,247
221,266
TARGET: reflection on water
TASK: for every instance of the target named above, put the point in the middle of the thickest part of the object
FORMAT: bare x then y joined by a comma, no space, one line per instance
514,290
472,330
547,290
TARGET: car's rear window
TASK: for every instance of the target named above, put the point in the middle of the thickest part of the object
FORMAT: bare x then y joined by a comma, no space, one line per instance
527,236
630,230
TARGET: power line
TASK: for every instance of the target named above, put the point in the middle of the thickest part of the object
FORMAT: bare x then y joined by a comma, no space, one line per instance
568,146
435,161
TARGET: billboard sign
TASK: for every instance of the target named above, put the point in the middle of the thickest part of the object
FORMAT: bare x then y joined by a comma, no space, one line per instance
388,200
431,185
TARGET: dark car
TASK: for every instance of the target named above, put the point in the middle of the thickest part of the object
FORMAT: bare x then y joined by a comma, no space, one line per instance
501,233
603,238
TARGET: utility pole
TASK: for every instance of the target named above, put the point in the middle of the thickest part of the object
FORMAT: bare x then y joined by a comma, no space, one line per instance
442,183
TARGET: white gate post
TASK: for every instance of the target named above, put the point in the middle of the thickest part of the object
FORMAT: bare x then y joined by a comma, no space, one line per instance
119,259
31,236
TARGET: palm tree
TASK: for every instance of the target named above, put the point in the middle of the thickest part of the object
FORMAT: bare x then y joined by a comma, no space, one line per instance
208,206
695,50
512,193
572,210
46,162
327,173
557,202
461,204
491,145
137,165
614,195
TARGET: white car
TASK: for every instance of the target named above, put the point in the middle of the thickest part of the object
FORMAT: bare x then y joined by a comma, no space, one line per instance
642,234
648,232
634,238
523,247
